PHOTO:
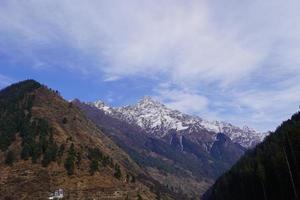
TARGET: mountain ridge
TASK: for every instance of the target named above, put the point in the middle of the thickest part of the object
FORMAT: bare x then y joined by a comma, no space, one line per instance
58,143
171,158
157,119
269,171
47,143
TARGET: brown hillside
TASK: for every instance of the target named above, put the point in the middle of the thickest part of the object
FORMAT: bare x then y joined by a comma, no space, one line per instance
69,131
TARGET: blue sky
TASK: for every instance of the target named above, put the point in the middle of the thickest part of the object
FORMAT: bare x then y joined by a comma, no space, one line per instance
224,60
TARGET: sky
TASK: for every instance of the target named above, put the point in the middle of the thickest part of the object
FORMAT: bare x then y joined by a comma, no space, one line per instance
236,61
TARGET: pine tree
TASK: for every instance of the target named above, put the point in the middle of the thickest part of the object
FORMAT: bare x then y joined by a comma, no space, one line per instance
132,179
64,120
94,166
61,150
140,197
262,177
10,158
117,173
50,154
69,163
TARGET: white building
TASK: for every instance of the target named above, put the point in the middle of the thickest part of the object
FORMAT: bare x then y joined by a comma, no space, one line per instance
58,194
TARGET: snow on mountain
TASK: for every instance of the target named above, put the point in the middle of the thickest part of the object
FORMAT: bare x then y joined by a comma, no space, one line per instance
158,120
102,106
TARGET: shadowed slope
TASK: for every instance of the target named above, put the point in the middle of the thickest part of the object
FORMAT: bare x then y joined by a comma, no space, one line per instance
270,171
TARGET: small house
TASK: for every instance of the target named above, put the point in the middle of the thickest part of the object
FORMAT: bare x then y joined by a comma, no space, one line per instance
58,194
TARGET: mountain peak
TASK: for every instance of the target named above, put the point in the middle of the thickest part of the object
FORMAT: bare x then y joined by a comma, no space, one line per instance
17,90
148,100
157,119
147,103
99,103
102,106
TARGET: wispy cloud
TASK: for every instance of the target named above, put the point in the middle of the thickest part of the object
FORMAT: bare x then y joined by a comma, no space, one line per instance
4,81
180,99
227,57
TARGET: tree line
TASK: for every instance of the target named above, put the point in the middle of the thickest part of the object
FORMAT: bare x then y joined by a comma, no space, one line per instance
269,171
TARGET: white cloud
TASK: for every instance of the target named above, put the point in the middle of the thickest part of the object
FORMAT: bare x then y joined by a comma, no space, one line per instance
185,101
178,38
243,52
4,81
269,108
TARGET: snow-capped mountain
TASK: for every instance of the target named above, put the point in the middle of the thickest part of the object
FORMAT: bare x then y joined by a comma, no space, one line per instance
158,120
177,146
102,106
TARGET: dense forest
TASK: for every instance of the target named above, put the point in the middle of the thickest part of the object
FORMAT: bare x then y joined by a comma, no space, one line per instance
36,135
269,171
15,117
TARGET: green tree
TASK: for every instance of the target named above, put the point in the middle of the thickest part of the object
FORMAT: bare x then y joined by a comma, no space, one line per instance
10,158
61,150
36,151
127,178
158,196
132,179
117,173
94,166
64,120
50,154
261,175
140,197
25,153
69,163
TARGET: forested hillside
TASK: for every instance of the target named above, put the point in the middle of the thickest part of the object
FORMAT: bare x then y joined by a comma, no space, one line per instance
46,143
270,171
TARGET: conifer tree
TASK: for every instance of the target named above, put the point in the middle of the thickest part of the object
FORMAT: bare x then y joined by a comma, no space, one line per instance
10,158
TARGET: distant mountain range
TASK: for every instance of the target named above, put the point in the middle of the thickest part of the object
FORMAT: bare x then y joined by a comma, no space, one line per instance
185,153
94,151
158,120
